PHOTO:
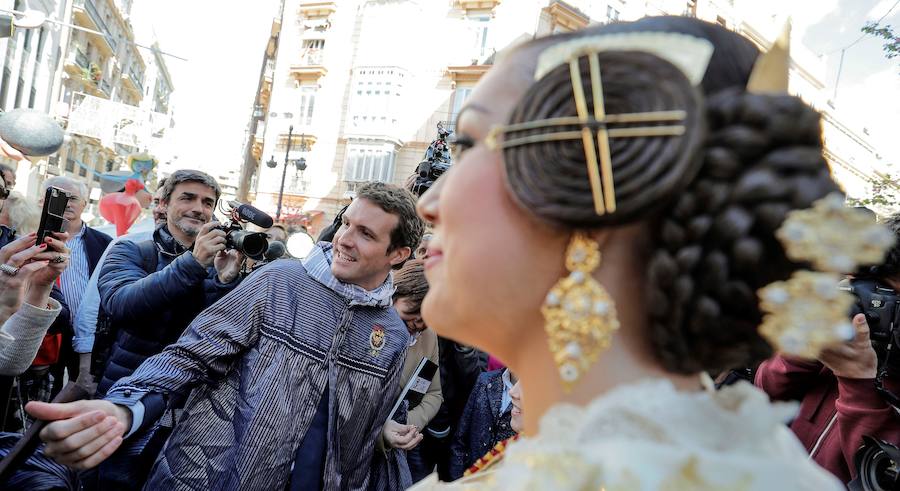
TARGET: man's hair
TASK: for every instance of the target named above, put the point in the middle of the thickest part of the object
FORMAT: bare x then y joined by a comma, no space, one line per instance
397,201
65,182
410,283
189,175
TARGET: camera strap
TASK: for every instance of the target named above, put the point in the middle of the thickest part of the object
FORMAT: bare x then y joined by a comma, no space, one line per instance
886,393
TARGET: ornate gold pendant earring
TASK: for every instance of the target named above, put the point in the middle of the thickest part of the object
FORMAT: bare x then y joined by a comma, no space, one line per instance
579,314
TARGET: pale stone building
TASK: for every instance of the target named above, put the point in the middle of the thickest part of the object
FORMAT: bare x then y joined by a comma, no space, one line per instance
364,83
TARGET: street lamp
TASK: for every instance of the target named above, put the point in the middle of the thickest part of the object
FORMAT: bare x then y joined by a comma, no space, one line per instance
299,163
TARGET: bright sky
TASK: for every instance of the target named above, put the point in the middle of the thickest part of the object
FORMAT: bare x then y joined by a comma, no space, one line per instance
224,42
868,94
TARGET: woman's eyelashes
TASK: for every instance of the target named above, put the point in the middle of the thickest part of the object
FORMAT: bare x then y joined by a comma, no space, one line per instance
460,144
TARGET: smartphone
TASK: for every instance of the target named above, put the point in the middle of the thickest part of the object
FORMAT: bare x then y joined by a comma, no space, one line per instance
52,221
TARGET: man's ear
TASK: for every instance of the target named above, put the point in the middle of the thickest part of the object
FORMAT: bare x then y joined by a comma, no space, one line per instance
399,255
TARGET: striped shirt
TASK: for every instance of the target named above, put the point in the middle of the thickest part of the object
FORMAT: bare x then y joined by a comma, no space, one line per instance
75,277
259,362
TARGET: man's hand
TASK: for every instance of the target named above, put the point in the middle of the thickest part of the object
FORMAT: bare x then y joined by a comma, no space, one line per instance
84,433
210,241
228,265
404,437
855,358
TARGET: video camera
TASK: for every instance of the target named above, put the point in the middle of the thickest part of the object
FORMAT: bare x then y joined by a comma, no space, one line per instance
881,306
251,244
437,161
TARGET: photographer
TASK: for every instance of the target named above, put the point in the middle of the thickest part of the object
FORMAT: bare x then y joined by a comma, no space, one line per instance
150,291
26,309
839,403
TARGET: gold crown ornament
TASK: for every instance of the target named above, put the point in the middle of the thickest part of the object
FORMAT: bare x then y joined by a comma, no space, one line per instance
808,312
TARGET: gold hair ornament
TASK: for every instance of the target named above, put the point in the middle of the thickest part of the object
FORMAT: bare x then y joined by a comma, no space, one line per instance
579,314
808,312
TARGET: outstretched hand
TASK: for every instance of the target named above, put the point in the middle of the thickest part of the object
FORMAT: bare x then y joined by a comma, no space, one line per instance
83,433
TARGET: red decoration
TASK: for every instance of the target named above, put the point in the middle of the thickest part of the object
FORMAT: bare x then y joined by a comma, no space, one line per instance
122,209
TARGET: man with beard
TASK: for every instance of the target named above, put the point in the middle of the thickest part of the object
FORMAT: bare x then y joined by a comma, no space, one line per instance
150,292
86,319
293,374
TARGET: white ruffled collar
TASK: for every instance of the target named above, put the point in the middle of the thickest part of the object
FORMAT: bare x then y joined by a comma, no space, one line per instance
649,436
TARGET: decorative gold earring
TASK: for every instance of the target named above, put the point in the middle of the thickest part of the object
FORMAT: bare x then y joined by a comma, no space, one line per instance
579,314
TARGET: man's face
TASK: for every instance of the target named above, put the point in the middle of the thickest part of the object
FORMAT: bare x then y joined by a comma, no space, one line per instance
411,318
75,206
10,178
422,250
361,244
190,207
158,207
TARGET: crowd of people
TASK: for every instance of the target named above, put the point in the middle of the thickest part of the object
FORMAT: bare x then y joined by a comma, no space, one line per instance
554,369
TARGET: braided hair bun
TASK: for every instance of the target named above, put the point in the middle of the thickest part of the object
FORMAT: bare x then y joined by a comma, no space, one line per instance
712,198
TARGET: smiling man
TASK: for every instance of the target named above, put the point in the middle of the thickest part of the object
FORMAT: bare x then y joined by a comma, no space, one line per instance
151,290
293,373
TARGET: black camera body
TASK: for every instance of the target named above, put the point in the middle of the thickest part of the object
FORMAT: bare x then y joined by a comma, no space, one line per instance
881,306
250,244
437,161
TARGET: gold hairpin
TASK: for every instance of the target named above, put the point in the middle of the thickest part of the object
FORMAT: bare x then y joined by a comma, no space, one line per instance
770,72
599,158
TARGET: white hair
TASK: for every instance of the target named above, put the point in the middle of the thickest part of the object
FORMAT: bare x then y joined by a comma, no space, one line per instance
67,182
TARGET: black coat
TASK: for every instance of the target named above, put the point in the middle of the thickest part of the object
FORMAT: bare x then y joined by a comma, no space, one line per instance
482,424
151,310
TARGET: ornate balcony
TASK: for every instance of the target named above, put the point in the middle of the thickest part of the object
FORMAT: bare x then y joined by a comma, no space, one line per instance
564,18
311,67
316,9
477,5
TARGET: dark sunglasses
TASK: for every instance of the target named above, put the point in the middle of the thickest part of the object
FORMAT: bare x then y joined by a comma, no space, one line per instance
4,193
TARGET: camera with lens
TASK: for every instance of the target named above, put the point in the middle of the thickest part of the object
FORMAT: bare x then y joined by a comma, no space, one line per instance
437,161
881,306
251,244
878,466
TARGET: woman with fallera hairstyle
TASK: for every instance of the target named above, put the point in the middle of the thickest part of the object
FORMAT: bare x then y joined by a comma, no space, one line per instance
625,215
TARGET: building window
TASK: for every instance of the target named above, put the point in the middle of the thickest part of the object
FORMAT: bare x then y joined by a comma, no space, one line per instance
307,104
612,15
312,51
375,103
479,26
721,21
459,98
70,164
367,163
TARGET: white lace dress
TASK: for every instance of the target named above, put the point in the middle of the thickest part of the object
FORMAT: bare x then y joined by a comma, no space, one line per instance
648,436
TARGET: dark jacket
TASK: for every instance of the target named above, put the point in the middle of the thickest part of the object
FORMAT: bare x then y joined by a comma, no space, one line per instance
835,412
460,367
482,424
150,311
